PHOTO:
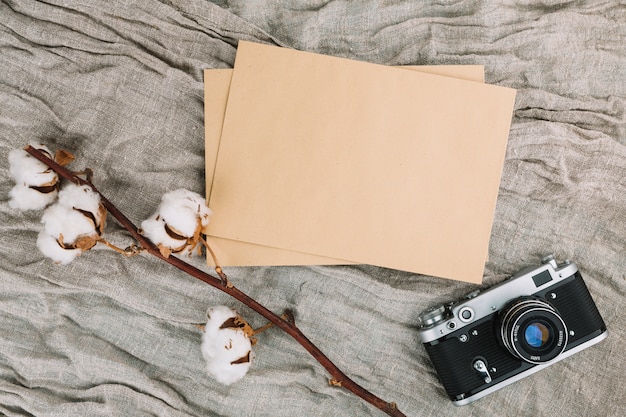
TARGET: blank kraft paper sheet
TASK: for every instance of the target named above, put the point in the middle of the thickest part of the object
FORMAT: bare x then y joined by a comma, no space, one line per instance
365,163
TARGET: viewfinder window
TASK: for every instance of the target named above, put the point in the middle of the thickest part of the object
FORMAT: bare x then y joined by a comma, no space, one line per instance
542,278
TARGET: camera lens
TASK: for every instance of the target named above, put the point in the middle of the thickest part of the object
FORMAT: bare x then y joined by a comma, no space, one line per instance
532,330
537,335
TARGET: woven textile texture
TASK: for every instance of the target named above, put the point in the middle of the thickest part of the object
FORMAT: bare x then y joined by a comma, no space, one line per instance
120,85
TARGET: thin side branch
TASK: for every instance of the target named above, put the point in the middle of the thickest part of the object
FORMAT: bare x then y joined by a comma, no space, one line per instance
285,316
218,268
130,251
338,377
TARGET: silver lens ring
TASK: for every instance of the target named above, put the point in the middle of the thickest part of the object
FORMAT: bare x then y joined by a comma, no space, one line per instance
532,330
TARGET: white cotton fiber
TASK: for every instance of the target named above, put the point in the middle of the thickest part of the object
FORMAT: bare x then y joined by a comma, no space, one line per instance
25,198
180,219
227,351
190,200
62,221
27,170
154,229
183,209
66,224
80,196
50,248
178,222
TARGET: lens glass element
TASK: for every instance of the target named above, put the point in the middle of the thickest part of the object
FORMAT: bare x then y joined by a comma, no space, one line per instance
537,335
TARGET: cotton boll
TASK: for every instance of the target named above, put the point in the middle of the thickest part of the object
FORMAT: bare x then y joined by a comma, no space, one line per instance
26,169
85,199
226,373
66,224
177,225
194,202
80,196
25,198
179,218
226,345
73,225
50,248
154,229
36,184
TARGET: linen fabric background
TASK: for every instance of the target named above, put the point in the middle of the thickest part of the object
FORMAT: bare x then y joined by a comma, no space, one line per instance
120,85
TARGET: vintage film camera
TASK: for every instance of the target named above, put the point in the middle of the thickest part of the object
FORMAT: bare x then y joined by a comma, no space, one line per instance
495,337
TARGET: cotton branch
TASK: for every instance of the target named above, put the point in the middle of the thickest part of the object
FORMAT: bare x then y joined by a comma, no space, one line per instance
338,377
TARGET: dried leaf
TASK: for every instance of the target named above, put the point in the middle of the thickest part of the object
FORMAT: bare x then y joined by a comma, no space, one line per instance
231,323
243,359
178,249
61,243
173,233
47,187
240,323
102,211
41,148
63,157
176,235
84,243
333,382
166,251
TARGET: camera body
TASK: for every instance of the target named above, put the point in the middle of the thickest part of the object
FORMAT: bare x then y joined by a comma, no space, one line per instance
497,336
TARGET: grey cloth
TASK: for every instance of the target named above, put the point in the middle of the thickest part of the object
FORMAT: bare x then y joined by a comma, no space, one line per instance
120,85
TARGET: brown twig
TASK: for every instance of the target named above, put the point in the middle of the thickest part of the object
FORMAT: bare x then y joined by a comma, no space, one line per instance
338,377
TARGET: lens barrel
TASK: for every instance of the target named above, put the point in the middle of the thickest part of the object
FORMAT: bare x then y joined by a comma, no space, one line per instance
532,330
